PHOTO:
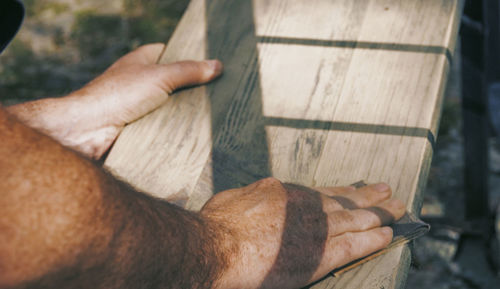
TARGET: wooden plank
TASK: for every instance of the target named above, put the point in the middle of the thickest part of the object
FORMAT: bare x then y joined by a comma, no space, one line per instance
316,92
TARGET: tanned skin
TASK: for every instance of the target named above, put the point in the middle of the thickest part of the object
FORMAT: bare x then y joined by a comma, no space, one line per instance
66,223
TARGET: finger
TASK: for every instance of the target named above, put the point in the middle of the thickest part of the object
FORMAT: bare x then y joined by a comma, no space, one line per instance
358,220
351,198
363,197
332,191
330,204
146,54
186,73
348,247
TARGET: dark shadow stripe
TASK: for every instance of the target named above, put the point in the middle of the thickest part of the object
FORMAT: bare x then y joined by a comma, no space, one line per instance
360,44
353,127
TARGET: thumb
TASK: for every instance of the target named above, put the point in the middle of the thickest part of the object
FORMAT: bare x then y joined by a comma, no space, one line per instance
187,73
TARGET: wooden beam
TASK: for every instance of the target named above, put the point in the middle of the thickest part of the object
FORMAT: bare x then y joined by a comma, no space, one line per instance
315,92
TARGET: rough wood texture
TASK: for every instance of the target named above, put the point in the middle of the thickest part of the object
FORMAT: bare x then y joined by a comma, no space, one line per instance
316,92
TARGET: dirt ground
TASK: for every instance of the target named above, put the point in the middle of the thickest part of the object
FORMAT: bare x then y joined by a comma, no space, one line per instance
65,43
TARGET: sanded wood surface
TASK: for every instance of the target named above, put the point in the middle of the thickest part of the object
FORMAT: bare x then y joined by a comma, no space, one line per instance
315,92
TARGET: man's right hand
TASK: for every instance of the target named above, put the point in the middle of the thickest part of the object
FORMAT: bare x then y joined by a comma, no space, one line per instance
278,235
68,224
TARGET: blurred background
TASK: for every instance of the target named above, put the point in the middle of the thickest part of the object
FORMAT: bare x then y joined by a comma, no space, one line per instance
63,44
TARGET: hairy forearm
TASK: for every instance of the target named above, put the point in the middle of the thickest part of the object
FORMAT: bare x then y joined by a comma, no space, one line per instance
65,224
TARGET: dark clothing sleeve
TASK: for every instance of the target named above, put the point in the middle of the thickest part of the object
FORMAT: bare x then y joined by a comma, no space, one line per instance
11,17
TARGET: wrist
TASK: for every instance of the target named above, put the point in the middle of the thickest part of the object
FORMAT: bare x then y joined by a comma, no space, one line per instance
227,245
222,242
179,248
69,120
39,114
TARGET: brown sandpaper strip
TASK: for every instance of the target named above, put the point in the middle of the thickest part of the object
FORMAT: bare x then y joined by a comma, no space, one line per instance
408,228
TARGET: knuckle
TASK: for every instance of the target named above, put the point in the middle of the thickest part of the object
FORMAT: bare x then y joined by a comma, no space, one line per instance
330,205
190,65
142,49
270,181
346,216
374,217
364,221
271,186
148,46
196,70
341,221
348,246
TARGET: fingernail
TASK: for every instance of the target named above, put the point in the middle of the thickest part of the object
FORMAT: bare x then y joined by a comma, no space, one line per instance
215,65
386,230
381,187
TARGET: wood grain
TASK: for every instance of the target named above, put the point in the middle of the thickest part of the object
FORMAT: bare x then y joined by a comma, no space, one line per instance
315,92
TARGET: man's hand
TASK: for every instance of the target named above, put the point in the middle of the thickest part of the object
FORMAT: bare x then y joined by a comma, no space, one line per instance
287,236
68,224
90,119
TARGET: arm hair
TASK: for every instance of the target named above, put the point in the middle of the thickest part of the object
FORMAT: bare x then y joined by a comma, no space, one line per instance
66,223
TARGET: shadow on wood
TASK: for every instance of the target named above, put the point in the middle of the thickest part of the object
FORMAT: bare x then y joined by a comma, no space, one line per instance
240,154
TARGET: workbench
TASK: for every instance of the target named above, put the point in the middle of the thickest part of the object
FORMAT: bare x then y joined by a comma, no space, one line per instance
314,92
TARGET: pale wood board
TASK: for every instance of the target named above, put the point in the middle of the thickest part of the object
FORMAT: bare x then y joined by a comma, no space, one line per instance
316,92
